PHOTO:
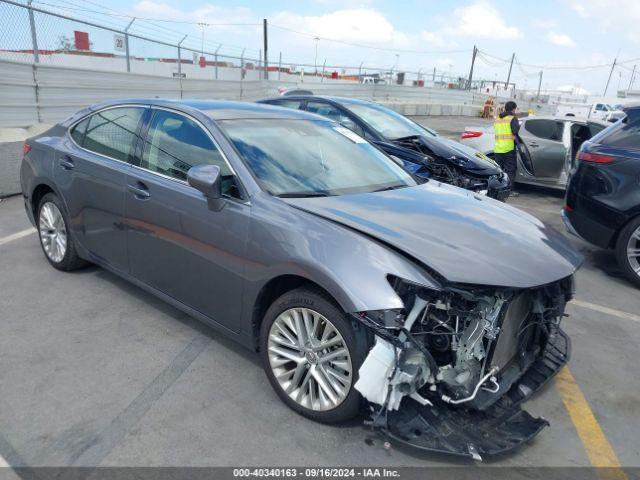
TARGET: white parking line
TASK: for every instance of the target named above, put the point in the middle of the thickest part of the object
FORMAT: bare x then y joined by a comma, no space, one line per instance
609,311
17,235
3,462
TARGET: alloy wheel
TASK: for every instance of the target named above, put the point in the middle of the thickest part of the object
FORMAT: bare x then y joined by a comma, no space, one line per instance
633,251
53,233
310,359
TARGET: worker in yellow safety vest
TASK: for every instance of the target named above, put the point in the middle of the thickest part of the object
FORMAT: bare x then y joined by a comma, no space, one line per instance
506,127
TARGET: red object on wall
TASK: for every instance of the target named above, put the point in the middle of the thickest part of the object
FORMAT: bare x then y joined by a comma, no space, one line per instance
334,74
202,62
81,40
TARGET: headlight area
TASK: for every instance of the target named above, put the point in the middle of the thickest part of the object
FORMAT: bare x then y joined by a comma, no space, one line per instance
449,370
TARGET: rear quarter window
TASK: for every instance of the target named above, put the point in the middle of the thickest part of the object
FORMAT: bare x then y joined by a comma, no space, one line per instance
622,135
77,132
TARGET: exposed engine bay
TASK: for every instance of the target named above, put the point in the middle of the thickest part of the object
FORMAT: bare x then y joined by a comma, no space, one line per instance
453,365
450,170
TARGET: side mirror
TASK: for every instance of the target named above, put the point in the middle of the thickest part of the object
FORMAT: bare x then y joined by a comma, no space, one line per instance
207,179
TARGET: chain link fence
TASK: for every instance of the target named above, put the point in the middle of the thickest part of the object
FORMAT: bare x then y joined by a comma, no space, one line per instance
33,35
16,43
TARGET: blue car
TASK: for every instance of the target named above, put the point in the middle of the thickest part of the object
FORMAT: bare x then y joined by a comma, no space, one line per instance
420,150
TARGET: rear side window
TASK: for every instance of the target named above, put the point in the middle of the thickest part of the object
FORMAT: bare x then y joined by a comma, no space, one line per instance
295,104
546,129
77,132
621,135
176,143
113,132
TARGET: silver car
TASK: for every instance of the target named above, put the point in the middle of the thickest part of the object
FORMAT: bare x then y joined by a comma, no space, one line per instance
361,287
549,150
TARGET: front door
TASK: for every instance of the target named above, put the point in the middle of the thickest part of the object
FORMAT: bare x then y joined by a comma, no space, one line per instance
176,243
90,170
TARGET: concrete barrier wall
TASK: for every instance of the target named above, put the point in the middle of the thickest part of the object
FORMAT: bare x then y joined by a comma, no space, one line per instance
31,94
10,157
35,96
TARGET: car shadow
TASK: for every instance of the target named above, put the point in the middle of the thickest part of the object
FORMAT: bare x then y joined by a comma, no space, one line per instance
163,307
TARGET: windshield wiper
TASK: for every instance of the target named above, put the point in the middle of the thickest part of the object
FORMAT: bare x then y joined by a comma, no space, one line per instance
408,137
302,194
392,187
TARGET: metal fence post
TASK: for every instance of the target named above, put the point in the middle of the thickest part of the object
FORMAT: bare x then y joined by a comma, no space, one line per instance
126,42
241,71
280,65
180,62
215,57
34,38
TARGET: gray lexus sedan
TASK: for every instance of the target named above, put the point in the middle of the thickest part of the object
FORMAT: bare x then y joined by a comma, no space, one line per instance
431,309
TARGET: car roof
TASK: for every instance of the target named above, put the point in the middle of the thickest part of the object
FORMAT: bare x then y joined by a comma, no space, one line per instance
340,100
218,109
566,118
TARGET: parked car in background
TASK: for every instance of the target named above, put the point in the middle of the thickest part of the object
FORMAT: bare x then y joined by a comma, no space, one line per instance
549,150
603,195
594,111
614,116
421,150
299,239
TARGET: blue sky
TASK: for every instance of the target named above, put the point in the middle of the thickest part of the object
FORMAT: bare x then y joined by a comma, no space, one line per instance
563,33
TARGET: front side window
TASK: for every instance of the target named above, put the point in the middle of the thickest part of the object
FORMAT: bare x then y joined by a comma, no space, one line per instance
176,143
113,132
546,129
311,158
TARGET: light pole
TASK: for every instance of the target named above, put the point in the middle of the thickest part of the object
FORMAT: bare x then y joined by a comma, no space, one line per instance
315,60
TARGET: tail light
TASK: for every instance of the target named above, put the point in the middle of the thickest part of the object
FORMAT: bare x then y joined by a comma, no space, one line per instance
471,134
595,157
26,148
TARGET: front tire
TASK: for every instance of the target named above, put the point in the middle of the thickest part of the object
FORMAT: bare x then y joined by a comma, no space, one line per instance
53,230
628,251
311,352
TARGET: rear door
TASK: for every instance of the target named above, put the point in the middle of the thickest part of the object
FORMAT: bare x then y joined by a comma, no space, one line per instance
90,170
543,139
175,243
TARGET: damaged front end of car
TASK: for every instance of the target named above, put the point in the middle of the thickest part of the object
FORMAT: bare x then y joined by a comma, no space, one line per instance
471,171
448,371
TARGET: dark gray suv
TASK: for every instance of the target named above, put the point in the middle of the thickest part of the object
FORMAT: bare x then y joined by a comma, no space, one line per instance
361,288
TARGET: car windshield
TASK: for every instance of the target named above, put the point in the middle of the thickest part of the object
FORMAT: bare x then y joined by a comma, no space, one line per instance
305,158
389,124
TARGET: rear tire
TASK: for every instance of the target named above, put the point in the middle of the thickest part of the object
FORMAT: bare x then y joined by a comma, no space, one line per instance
53,230
628,251
318,382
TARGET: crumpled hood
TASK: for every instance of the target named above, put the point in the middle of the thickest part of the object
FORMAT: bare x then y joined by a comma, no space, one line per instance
464,237
475,161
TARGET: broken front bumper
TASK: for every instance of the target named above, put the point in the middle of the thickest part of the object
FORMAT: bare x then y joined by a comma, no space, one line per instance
500,428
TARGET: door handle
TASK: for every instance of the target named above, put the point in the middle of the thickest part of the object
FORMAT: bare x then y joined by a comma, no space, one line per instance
66,163
533,144
139,190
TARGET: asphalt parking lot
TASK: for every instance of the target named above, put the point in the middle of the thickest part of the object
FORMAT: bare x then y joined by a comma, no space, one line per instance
96,371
